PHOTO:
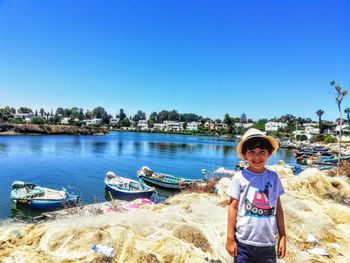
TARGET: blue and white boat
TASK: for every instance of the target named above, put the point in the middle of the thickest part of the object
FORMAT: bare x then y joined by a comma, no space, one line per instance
165,180
41,198
127,189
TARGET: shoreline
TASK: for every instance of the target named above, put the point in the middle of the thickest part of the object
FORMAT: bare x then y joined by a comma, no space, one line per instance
46,129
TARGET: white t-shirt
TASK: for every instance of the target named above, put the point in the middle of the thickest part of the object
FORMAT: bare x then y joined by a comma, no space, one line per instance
256,215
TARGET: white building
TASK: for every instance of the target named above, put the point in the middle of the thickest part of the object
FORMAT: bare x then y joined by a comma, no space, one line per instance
92,122
65,120
215,125
113,121
159,126
193,126
244,125
173,125
142,124
274,126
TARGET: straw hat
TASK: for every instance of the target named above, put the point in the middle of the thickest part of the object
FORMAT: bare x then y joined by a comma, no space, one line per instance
254,133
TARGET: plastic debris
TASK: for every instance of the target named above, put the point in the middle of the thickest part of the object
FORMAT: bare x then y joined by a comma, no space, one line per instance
317,251
104,250
312,239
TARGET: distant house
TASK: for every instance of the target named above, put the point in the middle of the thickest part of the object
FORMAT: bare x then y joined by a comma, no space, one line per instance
274,126
27,117
244,125
193,126
215,125
142,124
159,126
113,121
65,120
92,121
345,132
173,125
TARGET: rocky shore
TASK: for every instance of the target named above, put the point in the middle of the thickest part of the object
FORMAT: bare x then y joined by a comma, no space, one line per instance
45,129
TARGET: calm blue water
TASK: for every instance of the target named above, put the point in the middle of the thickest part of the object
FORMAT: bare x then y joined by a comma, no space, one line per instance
80,163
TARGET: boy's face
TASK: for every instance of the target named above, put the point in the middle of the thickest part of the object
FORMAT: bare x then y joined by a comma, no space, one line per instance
256,159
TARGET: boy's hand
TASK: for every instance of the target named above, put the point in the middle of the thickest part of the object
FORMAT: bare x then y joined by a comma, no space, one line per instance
231,247
281,250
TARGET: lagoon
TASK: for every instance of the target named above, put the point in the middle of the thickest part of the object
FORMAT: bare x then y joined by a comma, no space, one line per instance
79,163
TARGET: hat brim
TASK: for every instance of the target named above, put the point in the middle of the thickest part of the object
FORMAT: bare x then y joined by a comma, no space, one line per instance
271,139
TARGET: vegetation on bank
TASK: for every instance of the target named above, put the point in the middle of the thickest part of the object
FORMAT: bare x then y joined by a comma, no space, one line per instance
45,129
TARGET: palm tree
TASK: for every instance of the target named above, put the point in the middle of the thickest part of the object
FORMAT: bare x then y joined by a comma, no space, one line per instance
347,111
339,96
319,114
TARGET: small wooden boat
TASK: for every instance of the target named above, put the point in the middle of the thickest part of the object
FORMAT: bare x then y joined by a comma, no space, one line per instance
165,180
41,198
127,189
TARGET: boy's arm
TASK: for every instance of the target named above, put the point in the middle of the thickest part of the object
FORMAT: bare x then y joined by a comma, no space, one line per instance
231,245
281,249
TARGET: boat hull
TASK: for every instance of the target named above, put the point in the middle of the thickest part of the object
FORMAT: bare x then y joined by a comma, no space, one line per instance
48,205
161,184
128,195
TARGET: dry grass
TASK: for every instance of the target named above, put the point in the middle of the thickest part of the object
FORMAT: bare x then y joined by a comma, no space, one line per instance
192,235
343,170
207,187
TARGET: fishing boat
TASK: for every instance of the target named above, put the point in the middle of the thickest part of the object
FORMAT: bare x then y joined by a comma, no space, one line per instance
41,198
127,189
165,180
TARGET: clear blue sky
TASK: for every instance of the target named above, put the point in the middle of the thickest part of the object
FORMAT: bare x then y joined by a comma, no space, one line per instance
264,58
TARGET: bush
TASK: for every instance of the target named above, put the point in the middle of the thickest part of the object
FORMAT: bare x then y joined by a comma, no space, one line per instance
37,120
16,121
330,139
302,137
320,137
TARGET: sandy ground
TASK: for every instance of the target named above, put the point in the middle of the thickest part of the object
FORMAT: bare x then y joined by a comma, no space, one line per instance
189,227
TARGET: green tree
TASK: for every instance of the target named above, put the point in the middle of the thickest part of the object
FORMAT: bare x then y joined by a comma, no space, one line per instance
124,122
37,120
140,115
340,93
243,118
88,115
24,110
319,114
60,112
105,118
98,112
6,113
260,124
173,115
42,112
347,111
122,115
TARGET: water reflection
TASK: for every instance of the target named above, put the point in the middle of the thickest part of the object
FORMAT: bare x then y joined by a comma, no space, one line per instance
98,146
23,213
174,147
226,150
3,149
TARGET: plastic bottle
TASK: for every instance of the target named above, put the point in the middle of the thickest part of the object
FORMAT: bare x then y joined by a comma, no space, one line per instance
104,250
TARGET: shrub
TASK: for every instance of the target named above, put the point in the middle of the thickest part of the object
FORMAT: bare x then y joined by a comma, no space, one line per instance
37,120
302,137
330,139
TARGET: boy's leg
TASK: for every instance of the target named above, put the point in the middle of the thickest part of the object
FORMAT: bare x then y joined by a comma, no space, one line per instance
245,253
267,255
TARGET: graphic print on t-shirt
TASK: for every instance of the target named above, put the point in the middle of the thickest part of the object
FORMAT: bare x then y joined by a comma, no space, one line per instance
257,202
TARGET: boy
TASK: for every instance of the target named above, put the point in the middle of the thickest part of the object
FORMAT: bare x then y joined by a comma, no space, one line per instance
255,208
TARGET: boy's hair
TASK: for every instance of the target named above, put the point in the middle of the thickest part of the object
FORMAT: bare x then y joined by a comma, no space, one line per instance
257,142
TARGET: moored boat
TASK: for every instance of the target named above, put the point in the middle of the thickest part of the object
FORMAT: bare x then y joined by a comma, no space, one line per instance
41,198
127,189
165,180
